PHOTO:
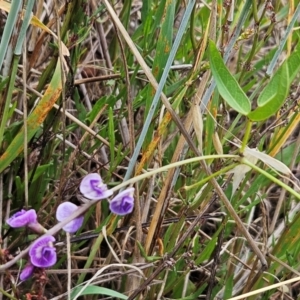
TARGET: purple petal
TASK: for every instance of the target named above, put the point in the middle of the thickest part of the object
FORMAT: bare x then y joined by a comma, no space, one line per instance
42,253
27,272
92,187
63,211
22,218
123,203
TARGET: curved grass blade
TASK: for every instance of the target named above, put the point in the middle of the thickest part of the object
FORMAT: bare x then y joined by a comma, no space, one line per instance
227,85
96,290
35,119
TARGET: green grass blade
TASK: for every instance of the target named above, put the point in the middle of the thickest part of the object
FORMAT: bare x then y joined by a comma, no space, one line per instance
8,29
164,45
96,290
8,99
282,43
26,22
35,119
111,134
162,82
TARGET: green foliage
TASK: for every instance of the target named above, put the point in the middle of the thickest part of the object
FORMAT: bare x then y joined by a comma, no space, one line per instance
227,85
96,290
275,93
85,110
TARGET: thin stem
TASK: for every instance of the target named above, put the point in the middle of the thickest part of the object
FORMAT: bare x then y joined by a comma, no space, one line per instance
205,180
246,136
254,10
271,177
170,166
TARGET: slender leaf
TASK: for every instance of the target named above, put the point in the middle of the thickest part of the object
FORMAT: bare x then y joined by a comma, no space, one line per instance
227,85
111,134
275,93
34,120
96,290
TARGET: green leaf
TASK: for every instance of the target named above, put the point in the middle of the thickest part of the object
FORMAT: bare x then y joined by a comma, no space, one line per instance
39,171
271,90
280,86
97,106
148,258
96,290
208,250
227,85
3,83
228,287
274,94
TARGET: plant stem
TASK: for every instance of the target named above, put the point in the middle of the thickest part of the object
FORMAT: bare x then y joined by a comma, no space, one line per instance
206,179
271,177
170,166
246,136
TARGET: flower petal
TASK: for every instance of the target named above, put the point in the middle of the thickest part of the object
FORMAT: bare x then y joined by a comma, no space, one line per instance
123,203
22,218
27,272
92,187
42,253
63,211
74,225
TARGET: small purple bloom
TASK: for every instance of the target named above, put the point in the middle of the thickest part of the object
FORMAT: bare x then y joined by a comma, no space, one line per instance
92,187
123,203
63,211
26,218
27,271
22,218
42,252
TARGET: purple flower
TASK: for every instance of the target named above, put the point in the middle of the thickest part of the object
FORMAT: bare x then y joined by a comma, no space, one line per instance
22,218
92,187
63,211
123,203
25,218
27,271
42,252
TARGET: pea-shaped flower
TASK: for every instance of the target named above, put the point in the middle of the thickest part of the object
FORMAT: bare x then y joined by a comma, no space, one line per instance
123,203
92,187
63,211
26,218
27,271
42,253
22,218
